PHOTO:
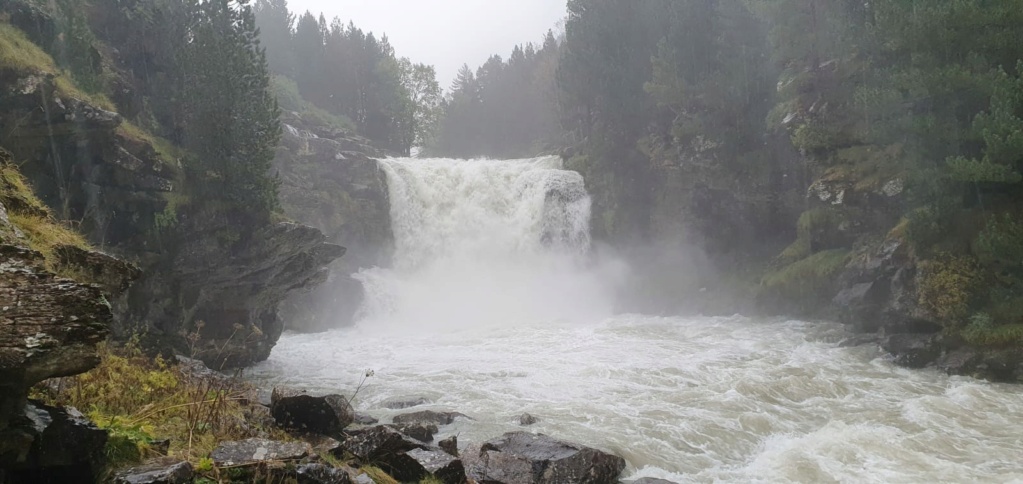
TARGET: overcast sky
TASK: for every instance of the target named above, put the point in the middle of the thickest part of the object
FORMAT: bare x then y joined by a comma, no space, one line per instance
446,33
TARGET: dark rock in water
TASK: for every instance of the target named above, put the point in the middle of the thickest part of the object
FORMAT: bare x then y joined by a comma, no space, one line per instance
321,474
364,419
527,419
652,480
859,340
524,458
963,361
449,445
405,402
379,444
418,464
429,417
296,410
913,350
255,451
166,470
65,446
418,431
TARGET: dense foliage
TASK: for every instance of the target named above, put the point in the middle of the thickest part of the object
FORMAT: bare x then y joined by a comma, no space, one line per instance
352,74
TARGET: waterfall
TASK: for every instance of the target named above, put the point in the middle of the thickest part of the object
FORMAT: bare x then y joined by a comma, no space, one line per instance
485,242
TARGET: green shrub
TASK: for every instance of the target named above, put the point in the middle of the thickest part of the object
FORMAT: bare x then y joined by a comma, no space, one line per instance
948,285
1001,241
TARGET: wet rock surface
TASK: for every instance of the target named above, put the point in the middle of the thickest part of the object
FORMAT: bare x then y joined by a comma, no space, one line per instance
256,451
321,474
527,419
297,410
166,470
525,458
399,403
48,444
379,444
421,432
418,464
429,417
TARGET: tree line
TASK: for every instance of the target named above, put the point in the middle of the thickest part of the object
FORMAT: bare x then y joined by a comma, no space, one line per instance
352,74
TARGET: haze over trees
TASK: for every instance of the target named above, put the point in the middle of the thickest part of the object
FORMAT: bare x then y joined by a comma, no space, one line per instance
351,75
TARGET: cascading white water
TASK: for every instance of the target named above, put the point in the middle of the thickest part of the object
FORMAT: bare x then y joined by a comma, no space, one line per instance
485,242
493,309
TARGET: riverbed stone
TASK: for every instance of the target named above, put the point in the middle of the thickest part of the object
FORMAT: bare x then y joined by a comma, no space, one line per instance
526,420
365,419
399,403
298,410
429,417
525,458
256,451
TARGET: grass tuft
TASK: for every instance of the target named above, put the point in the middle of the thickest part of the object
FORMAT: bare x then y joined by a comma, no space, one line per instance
19,54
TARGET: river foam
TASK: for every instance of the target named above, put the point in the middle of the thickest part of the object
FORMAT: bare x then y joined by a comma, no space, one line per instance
494,307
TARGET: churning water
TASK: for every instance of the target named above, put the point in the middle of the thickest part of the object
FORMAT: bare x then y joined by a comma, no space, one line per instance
493,309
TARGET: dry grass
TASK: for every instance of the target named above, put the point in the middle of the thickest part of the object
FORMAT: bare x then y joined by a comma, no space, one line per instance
141,401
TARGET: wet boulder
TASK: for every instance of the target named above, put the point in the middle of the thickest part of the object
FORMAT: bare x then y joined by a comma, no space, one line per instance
419,464
526,420
913,350
399,403
379,444
60,445
258,451
525,458
428,417
449,445
418,431
321,474
297,410
166,470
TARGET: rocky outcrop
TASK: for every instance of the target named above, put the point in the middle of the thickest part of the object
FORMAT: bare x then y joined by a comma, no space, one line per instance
200,264
524,458
330,182
49,327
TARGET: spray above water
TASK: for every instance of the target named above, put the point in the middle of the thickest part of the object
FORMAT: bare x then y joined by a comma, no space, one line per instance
485,243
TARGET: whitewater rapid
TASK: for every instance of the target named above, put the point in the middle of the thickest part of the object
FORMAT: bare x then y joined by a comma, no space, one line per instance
494,307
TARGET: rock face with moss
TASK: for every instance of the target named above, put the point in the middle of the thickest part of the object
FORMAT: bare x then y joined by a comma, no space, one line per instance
213,275
50,325
330,182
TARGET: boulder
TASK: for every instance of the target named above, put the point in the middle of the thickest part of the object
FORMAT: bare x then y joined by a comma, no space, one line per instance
418,431
449,445
527,419
166,470
652,480
525,458
321,474
963,361
64,446
419,464
323,445
429,417
379,444
399,403
913,350
297,410
257,451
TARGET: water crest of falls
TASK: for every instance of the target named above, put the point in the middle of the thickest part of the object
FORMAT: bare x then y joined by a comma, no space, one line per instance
493,307
485,242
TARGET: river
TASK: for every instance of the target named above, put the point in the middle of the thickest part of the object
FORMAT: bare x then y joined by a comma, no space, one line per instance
494,306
